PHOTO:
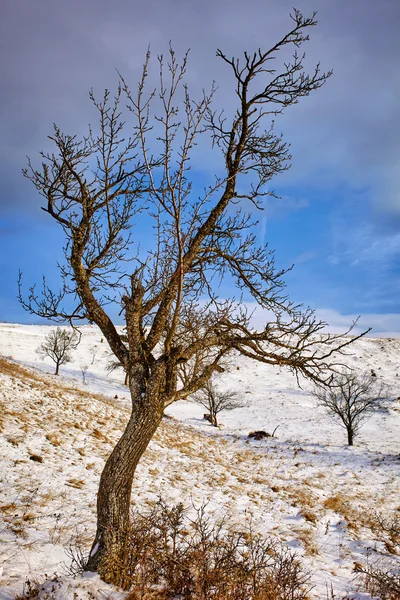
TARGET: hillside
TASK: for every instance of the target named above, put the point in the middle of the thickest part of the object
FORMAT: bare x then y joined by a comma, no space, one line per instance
305,486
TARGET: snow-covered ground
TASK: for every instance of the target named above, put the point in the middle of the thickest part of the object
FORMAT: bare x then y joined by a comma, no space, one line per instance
304,486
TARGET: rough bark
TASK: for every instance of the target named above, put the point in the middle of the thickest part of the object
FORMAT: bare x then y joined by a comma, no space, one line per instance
108,553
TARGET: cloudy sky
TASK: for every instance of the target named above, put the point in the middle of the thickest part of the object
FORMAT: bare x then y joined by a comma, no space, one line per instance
339,217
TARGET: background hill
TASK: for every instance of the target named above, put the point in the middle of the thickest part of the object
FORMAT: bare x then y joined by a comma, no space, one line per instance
304,486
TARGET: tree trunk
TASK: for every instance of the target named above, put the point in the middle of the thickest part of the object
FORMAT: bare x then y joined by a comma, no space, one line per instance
126,380
350,436
108,553
57,368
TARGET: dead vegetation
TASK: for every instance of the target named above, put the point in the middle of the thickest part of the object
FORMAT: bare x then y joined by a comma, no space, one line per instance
28,377
173,553
351,507
381,576
381,580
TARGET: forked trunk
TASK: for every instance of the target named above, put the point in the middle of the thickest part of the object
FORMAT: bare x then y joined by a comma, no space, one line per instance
108,553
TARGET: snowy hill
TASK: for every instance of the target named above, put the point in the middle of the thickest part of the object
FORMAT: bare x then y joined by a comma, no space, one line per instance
305,486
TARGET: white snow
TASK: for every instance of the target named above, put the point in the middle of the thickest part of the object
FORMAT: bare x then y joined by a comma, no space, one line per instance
304,486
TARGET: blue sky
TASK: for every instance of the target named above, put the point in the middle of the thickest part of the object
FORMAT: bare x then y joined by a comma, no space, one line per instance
339,217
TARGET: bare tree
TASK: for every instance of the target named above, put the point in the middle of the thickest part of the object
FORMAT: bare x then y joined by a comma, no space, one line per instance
114,365
351,400
84,370
99,189
215,400
58,345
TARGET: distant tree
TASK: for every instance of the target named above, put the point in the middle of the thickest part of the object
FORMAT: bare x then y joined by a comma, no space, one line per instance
84,370
215,400
113,365
351,400
58,345
104,188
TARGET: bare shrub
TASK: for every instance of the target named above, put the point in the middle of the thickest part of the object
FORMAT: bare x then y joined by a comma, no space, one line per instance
170,554
95,350
215,400
84,369
330,595
30,590
58,346
351,400
381,579
387,530
78,559
33,590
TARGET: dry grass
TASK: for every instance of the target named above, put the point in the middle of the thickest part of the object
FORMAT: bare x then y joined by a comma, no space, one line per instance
71,427
309,516
307,538
11,507
335,503
14,440
23,376
54,439
99,435
347,508
75,483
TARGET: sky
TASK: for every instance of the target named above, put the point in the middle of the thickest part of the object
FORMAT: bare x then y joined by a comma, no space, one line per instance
338,220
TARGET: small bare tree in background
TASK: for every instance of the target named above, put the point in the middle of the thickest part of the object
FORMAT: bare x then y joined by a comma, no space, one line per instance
114,365
215,400
84,370
58,345
352,400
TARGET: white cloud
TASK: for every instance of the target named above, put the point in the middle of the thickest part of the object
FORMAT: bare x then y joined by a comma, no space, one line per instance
383,325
